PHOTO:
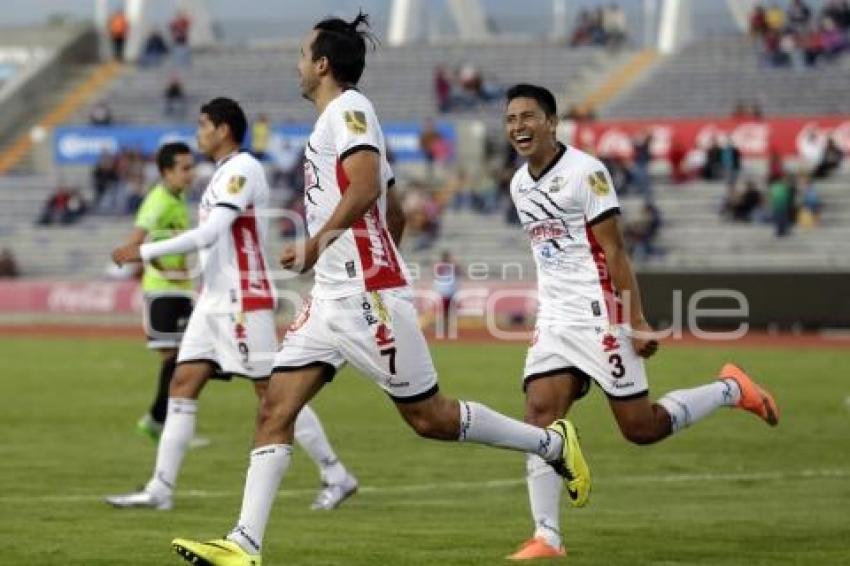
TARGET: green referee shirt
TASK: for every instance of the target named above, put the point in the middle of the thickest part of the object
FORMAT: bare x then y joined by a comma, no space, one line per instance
163,215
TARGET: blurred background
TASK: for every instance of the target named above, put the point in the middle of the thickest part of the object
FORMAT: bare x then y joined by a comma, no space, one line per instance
724,124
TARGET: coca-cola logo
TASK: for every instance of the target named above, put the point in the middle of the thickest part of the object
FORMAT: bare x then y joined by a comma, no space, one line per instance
82,298
812,130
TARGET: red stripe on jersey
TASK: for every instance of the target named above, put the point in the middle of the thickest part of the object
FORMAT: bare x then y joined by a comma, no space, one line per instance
378,259
253,277
613,305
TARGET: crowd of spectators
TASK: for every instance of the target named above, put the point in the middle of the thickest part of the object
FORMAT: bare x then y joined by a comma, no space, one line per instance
463,88
602,26
798,36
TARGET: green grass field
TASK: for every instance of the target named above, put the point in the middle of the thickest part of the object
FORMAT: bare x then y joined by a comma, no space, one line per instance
729,491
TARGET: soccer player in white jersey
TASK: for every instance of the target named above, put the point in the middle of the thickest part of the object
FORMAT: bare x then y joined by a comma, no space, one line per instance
231,330
590,323
360,310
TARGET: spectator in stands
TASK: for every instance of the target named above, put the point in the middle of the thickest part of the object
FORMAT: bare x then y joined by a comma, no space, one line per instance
104,179
799,15
134,181
580,113
64,206
810,202
833,40
180,27
641,159
775,17
101,114
175,98
839,12
118,28
614,26
712,168
261,135
432,146
446,275
781,204
831,159
730,161
442,89
8,264
154,50
742,205
758,22
422,212
641,232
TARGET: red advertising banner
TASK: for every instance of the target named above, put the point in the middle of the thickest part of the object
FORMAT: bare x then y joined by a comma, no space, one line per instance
789,136
64,297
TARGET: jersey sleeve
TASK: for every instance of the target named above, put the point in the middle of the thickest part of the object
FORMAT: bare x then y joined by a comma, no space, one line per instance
150,211
597,190
354,127
238,186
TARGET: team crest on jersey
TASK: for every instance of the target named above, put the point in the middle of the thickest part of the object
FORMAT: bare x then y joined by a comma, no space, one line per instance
599,184
556,184
235,184
355,121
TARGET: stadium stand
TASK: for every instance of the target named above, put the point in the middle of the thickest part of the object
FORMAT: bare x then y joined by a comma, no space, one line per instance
709,77
399,80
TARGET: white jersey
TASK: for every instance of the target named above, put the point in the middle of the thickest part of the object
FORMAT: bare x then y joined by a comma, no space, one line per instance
557,210
235,274
364,258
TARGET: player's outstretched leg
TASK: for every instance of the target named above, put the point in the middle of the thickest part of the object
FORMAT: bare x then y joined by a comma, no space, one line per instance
733,388
176,438
468,421
338,484
753,398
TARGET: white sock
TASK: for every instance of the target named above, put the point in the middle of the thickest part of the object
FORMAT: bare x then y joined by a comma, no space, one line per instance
311,436
544,494
485,426
687,406
268,464
176,435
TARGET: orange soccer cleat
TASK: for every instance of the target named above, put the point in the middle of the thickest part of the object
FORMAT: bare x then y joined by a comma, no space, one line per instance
537,548
754,398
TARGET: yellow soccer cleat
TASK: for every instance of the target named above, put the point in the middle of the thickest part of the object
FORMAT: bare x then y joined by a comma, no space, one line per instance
219,552
571,465
537,548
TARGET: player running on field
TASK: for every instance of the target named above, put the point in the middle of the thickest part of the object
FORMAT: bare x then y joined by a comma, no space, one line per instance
231,329
361,310
166,284
584,331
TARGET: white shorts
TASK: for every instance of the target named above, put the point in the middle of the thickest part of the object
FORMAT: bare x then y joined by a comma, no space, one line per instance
237,343
605,355
377,332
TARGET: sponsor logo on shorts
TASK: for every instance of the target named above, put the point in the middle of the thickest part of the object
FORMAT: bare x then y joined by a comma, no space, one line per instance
301,317
623,384
369,314
350,269
609,343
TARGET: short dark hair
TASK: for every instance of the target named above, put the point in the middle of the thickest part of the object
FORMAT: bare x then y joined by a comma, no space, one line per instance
543,96
227,111
344,45
165,156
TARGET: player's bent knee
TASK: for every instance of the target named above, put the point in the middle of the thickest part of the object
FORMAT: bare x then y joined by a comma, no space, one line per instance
641,434
540,413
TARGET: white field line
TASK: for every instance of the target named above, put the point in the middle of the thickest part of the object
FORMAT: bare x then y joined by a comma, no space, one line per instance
462,486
